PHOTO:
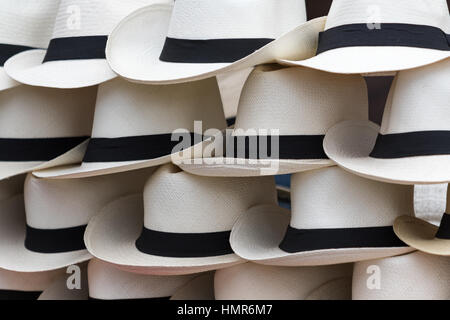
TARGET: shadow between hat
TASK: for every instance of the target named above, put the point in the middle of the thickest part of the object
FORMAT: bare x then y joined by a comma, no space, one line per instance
13,254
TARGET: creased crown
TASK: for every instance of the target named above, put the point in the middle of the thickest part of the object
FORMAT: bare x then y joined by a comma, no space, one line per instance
28,281
300,100
32,112
77,18
419,100
27,23
54,204
413,276
176,201
334,198
128,109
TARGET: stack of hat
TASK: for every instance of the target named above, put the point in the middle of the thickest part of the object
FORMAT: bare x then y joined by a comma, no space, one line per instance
200,150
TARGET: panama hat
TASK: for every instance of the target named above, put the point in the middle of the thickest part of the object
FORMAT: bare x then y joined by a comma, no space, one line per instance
25,285
106,282
24,25
413,144
413,276
136,126
43,228
165,43
76,54
187,222
59,288
201,287
379,36
41,127
336,217
251,281
282,119
426,236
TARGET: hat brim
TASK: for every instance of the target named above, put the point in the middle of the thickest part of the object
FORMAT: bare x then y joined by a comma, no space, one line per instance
58,289
111,235
199,288
13,254
5,81
232,167
135,45
27,67
355,60
92,169
10,169
257,234
350,143
420,235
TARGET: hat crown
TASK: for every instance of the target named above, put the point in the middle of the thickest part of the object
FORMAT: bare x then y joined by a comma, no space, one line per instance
106,282
58,204
333,198
77,18
127,109
420,12
32,112
299,101
430,274
179,202
11,187
27,281
419,94
255,281
27,22
228,19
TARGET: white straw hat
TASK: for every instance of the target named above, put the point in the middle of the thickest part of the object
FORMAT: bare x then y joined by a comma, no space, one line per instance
76,53
197,39
134,126
42,128
336,217
107,282
414,276
187,221
378,36
282,119
24,25
59,289
251,281
25,285
413,144
43,229
425,236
